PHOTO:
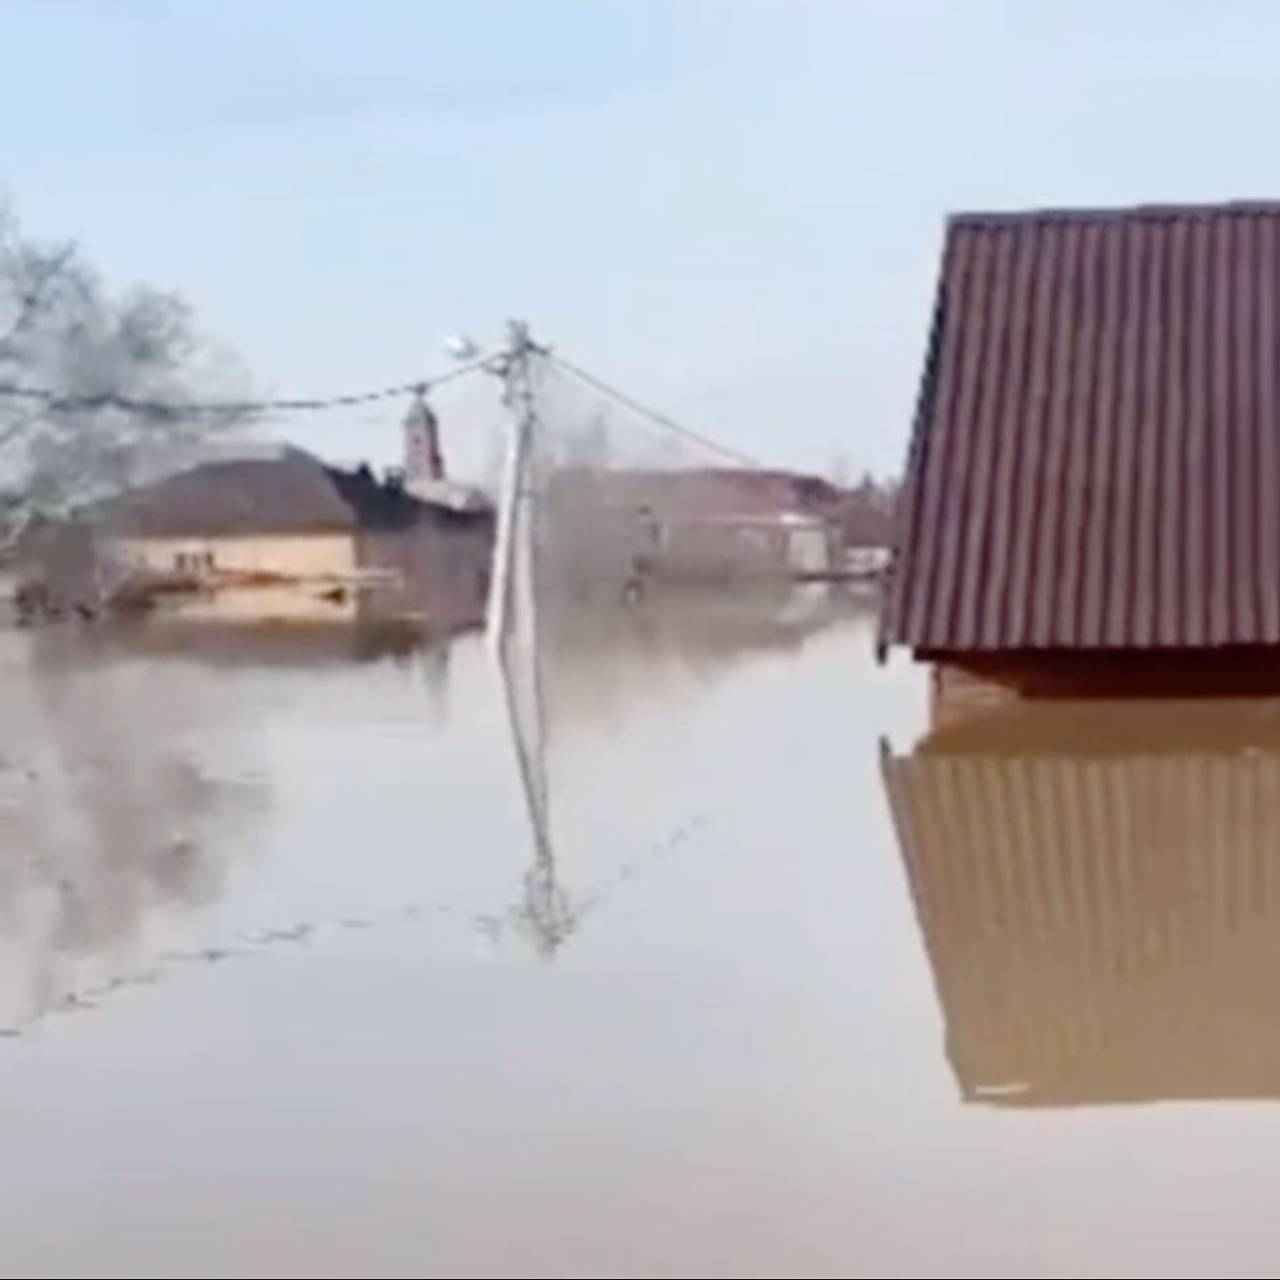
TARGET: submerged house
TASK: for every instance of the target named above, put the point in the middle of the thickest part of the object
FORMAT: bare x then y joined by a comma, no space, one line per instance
709,525
1092,500
275,535
253,539
277,539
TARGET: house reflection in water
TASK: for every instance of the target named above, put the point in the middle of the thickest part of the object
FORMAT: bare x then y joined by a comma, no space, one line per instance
1099,892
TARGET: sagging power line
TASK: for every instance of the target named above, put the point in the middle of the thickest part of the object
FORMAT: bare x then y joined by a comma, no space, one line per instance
658,419
171,409
497,363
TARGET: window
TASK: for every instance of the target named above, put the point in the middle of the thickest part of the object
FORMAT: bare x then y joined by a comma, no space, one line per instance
193,561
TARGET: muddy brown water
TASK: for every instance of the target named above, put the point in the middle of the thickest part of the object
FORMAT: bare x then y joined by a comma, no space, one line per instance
282,992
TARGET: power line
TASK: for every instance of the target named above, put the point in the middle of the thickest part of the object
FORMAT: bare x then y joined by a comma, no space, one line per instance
659,419
170,409
492,363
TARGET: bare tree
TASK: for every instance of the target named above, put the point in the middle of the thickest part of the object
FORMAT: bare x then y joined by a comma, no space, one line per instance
96,389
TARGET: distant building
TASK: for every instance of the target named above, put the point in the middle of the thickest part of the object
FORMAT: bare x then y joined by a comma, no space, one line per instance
421,560
1092,500
424,470
283,539
868,527
262,539
703,524
423,458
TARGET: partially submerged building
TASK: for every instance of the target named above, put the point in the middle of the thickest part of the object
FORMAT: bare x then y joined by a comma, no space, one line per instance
1092,500
266,538
275,535
275,539
704,525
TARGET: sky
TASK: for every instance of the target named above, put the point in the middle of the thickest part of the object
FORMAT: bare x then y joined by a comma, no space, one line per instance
731,208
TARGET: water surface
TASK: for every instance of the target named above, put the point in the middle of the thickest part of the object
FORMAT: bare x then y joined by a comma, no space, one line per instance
284,991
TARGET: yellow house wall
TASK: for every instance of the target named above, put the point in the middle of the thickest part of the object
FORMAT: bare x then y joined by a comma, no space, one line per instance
292,555
314,563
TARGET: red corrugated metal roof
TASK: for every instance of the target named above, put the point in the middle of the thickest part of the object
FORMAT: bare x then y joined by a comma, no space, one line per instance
1096,461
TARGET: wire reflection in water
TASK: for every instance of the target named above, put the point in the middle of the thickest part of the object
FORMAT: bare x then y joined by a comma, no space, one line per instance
127,789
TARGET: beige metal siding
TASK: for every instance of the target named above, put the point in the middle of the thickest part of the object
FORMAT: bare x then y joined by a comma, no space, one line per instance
1101,928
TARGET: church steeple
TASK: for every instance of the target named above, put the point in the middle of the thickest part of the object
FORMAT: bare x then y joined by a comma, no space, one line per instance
423,460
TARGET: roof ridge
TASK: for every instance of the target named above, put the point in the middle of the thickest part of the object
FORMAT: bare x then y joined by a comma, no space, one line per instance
1136,212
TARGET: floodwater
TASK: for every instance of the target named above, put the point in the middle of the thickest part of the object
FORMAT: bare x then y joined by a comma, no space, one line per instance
805,989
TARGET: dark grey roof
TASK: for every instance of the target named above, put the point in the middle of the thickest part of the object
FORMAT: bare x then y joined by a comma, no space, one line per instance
387,507
292,494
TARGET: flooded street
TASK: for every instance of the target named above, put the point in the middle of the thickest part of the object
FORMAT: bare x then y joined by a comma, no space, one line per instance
284,993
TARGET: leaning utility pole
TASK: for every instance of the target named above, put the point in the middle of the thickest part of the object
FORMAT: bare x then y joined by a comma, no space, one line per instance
513,366
514,633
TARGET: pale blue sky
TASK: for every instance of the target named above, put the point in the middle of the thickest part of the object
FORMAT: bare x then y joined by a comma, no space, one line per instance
731,207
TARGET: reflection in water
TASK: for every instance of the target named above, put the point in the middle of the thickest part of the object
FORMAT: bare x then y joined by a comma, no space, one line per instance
589,663
125,817
601,662
296,645
727,1036
1099,892
109,818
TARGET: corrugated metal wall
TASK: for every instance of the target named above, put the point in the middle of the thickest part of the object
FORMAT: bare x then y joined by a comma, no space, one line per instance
1097,455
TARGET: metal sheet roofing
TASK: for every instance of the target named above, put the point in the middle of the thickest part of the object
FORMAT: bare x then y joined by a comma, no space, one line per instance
1096,455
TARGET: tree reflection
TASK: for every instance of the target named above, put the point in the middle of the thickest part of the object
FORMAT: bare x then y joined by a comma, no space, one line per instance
113,818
